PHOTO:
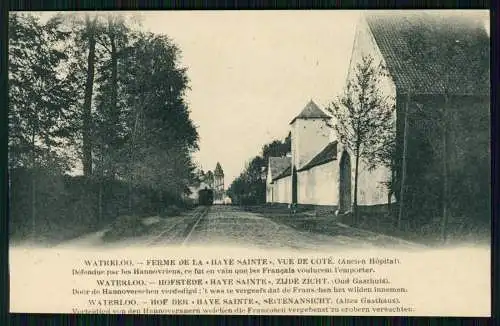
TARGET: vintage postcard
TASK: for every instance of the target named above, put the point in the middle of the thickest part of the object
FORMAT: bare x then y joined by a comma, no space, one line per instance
250,162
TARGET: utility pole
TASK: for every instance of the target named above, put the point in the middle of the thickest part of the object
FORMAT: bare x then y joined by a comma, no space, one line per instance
446,117
444,222
403,168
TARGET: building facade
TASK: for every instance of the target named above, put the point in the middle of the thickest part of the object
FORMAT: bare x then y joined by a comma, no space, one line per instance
219,193
433,64
319,169
438,75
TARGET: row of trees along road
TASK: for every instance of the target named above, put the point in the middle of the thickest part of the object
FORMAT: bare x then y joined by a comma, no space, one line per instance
250,186
94,93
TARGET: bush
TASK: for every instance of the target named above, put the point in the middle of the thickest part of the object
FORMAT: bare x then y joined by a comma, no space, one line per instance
65,207
126,226
347,218
170,211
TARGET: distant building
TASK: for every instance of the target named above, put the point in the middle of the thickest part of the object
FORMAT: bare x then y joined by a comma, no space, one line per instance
320,170
211,180
206,181
277,166
227,200
194,190
316,167
219,193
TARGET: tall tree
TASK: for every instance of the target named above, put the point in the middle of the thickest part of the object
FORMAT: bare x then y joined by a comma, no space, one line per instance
90,36
250,187
115,95
156,115
363,117
41,105
277,148
115,39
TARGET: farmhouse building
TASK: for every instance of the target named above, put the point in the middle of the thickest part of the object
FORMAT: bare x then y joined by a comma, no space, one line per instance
319,170
438,74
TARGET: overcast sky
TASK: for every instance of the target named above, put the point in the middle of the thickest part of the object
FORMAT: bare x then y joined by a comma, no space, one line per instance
251,72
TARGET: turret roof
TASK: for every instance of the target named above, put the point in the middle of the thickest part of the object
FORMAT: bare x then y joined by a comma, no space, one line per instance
311,111
218,170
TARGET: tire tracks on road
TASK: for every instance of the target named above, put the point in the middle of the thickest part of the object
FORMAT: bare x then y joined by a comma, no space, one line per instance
181,230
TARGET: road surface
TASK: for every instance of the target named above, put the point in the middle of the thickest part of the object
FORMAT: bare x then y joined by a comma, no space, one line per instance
230,225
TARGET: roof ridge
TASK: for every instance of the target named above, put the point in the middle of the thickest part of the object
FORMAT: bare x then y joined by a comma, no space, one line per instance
318,160
437,40
278,165
311,111
285,173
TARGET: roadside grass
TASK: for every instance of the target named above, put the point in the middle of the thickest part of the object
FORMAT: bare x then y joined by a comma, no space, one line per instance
460,230
54,230
132,226
51,233
305,218
127,226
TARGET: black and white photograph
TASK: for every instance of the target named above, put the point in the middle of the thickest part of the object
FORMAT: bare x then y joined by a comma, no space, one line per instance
296,131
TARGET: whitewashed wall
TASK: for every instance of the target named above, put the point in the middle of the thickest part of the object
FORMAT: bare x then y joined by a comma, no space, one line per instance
371,191
283,190
269,185
365,44
269,193
309,137
319,185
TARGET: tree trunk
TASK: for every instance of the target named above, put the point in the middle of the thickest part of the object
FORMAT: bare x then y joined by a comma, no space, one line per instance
132,157
160,201
87,105
33,183
130,197
33,204
114,83
114,101
391,190
355,202
100,202
403,168
444,221
114,78
294,186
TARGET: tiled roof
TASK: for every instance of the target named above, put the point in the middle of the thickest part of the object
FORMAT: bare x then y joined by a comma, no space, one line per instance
278,165
424,49
311,111
328,154
286,173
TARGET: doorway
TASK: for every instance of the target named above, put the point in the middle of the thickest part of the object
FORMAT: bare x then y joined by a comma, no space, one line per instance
345,183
